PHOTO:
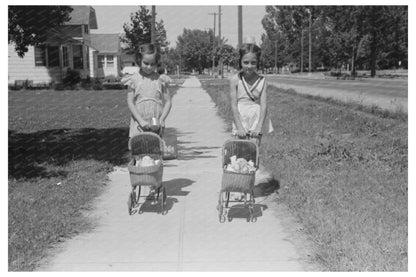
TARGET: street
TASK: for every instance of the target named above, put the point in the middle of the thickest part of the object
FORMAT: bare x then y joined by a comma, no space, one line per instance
390,94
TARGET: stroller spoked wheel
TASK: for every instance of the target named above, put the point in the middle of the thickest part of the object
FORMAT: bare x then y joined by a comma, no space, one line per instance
222,218
251,218
131,203
220,208
163,196
138,196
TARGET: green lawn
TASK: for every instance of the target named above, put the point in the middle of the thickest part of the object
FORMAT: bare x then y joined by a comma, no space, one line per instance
342,172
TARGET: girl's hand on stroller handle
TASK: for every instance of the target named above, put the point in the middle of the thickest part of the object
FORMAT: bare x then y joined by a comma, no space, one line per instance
253,134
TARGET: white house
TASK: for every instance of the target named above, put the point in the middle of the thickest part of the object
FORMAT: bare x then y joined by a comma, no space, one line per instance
67,47
105,55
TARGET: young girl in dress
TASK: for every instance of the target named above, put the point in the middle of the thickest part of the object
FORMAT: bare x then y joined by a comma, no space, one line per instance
248,92
148,95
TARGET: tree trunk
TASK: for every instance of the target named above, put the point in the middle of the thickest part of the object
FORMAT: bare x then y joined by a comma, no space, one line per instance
353,62
373,57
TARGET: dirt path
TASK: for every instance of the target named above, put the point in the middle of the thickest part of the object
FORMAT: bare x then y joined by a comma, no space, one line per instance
189,237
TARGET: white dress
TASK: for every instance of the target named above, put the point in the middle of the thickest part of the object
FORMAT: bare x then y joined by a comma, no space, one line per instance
248,97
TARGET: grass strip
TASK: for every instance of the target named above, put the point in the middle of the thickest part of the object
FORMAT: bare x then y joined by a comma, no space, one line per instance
342,172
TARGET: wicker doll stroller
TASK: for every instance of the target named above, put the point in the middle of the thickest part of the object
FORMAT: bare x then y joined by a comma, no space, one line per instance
235,181
141,145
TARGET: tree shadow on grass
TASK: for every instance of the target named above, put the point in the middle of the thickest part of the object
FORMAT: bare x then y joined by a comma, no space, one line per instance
28,152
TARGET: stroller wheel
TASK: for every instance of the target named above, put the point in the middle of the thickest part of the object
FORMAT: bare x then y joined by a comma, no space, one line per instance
222,218
163,196
130,203
229,218
251,218
138,195
220,208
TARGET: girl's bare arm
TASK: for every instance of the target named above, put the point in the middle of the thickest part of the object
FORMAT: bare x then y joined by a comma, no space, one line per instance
167,100
234,107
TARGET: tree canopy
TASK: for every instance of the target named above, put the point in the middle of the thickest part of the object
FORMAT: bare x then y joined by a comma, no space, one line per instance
28,25
138,31
195,48
367,37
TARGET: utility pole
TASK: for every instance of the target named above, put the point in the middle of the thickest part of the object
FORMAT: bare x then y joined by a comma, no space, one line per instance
219,26
310,41
213,44
153,26
240,26
219,40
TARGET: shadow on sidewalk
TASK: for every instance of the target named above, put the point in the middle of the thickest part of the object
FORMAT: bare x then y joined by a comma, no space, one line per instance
192,153
173,188
242,211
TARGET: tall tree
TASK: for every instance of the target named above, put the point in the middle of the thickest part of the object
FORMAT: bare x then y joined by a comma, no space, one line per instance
195,48
28,25
228,54
138,31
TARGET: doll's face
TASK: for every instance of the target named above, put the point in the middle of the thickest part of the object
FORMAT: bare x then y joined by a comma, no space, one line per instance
249,63
148,64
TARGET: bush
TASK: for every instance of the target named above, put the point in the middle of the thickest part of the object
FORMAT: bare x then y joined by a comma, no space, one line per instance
71,79
91,84
113,86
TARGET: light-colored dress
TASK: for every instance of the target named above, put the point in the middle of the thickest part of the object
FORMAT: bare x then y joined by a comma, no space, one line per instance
148,97
248,103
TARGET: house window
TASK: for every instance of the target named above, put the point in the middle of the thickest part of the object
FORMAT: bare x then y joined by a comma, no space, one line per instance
77,53
86,29
40,56
110,61
53,56
65,56
101,61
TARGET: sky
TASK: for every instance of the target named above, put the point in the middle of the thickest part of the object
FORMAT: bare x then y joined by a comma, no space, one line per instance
110,19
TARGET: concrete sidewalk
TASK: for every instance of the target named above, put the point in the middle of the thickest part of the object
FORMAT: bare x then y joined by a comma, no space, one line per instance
190,237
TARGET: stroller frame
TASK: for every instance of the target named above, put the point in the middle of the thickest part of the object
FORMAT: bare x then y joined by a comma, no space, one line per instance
140,145
236,181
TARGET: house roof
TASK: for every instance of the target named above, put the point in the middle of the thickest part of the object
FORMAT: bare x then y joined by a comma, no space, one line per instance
57,36
105,43
83,15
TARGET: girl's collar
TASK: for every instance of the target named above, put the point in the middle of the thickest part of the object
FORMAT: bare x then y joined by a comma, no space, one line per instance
250,81
144,75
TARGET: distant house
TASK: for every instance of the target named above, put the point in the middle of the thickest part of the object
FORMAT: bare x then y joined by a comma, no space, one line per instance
128,63
105,55
127,59
67,47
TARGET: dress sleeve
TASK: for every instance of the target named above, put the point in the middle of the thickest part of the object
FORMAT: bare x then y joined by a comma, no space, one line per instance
129,80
